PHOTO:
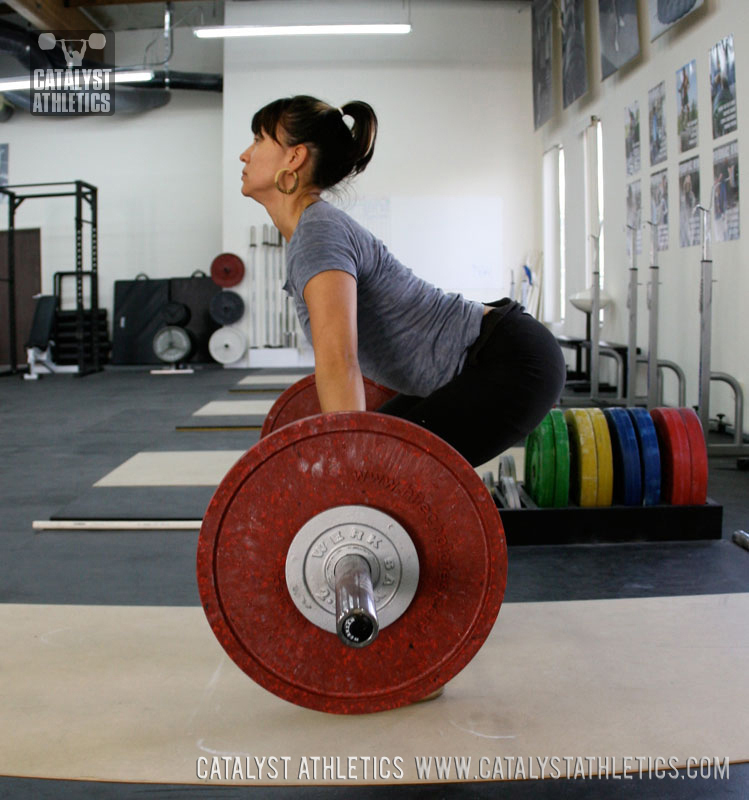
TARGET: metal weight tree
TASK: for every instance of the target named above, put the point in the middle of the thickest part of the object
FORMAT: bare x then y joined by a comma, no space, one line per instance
83,192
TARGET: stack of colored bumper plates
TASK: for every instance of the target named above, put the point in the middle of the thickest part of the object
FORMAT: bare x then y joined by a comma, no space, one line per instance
594,458
547,462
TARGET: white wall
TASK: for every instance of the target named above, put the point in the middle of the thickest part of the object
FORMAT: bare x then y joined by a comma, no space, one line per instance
454,102
454,151
158,176
680,267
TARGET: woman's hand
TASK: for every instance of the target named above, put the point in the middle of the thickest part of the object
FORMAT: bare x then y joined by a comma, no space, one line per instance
331,301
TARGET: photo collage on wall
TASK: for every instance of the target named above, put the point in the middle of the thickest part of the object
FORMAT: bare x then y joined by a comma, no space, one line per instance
618,39
721,192
541,27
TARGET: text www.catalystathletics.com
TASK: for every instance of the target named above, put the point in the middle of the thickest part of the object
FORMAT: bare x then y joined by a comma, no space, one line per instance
456,768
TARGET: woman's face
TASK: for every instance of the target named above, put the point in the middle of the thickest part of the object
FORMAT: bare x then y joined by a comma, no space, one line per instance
262,160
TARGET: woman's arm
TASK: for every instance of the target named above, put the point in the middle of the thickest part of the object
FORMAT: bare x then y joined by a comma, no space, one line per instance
330,297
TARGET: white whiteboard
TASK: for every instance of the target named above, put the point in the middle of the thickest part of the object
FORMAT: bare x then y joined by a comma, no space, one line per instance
455,243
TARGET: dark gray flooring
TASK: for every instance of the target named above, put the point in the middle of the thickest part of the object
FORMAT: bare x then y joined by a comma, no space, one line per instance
735,787
61,434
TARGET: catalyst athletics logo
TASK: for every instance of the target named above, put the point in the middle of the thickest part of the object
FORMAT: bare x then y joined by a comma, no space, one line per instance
69,73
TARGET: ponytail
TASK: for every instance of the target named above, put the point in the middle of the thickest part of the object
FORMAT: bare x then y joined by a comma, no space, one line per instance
363,133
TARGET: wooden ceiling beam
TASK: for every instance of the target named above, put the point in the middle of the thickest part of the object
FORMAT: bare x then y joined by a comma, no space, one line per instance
77,3
52,15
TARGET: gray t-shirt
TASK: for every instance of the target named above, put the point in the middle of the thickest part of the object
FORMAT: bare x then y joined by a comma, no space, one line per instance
412,336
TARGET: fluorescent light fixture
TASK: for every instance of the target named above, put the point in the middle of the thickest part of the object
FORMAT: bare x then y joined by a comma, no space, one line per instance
133,77
24,84
15,84
229,31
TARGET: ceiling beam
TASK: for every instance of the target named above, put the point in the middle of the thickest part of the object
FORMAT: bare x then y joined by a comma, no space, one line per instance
77,3
52,15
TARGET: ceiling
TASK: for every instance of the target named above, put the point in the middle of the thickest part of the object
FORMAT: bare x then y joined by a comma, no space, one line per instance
59,15
108,15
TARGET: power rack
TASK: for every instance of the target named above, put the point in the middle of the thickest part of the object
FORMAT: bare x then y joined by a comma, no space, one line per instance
87,351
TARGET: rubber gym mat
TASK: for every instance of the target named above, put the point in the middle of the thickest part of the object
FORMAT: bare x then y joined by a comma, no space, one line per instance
138,503
230,408
275,380
178,468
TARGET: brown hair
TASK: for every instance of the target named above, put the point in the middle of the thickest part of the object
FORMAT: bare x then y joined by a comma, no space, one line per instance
337,151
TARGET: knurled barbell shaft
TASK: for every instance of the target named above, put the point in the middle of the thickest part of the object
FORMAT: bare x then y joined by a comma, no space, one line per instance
356,613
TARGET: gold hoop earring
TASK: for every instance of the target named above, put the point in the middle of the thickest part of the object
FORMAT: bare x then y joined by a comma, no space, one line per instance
293,188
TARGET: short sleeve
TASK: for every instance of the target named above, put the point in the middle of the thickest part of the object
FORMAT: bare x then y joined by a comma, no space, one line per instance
319,245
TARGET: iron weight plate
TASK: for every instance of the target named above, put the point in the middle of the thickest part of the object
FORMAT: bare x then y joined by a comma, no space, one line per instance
507,467
583,458
650,455
604,458
227,270
300,400
351,458
698,453
561,459
226,308
539,463
626,453
676,459
508,491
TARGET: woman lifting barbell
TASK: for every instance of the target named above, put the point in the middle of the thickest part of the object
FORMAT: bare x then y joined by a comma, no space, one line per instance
480,376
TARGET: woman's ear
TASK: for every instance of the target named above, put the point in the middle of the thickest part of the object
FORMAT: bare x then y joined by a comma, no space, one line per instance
299,156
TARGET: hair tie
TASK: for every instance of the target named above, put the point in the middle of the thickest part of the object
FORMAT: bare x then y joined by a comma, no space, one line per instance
348,120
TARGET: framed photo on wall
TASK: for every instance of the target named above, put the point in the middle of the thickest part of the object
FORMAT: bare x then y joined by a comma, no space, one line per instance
542,76
574,58
666,13
723,87
619,34
686,98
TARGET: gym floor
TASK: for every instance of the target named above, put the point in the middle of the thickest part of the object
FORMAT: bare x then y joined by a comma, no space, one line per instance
650,641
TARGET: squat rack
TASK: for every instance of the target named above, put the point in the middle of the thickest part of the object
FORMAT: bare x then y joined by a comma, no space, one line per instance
83,192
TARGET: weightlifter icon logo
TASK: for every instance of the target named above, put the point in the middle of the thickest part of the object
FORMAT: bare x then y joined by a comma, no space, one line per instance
69,76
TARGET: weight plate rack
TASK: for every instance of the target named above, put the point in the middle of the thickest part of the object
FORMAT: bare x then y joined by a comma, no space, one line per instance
632,475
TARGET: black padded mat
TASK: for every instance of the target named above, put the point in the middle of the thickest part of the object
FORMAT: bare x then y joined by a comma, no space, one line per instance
238,422
138,503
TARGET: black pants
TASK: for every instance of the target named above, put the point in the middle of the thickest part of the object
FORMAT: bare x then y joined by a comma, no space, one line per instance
513,375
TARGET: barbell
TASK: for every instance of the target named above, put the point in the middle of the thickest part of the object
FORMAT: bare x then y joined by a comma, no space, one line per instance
96,41
351,562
